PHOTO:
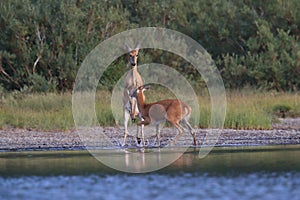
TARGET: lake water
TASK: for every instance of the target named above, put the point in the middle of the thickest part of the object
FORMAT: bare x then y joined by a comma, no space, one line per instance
270,172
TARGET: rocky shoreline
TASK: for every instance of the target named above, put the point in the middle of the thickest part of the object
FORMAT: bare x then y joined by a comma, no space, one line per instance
284,133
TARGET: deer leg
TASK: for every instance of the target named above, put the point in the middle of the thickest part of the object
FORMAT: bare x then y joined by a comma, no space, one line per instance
143,135
191,131
180,132
143,122
126,119
158,135
138,139
142,132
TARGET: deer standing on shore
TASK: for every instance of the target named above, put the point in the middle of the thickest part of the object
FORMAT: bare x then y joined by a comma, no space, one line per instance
132,81
173,111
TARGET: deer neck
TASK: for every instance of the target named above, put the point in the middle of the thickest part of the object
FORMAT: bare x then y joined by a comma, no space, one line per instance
141,103
135,76
134,70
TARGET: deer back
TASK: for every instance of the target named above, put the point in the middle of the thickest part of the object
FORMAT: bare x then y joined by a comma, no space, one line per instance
172,110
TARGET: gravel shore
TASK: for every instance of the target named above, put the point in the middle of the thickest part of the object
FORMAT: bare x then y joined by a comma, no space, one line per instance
286,132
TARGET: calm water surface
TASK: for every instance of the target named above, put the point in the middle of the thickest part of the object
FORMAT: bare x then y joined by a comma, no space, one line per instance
226,173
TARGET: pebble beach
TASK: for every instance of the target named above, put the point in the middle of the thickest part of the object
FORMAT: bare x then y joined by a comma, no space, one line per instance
285,132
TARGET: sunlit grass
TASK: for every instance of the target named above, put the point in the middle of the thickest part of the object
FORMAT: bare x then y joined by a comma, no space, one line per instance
254,110
250,109
37,111
245,109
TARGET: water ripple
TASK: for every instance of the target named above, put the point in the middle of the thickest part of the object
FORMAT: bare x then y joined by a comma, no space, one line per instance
153,186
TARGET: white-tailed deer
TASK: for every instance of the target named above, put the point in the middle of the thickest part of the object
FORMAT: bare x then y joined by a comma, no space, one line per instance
132,80
173,111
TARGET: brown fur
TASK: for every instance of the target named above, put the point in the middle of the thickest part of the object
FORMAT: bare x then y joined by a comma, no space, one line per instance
173,111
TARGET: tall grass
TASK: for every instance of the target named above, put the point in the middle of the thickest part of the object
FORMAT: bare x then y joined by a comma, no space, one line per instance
37,111
254,110
245,109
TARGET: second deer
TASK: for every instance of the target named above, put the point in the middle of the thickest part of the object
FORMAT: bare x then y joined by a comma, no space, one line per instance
173,111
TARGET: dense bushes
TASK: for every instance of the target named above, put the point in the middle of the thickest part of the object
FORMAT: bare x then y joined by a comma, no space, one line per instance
254,43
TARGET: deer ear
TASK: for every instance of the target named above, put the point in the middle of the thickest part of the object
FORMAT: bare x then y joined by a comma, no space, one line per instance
146,87
127,47
137,48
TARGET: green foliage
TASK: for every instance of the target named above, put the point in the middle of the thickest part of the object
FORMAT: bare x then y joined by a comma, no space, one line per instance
271,59
254,43
38,83
281,110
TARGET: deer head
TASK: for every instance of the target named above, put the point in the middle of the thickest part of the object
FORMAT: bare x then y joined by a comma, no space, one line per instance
137,95
133,55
